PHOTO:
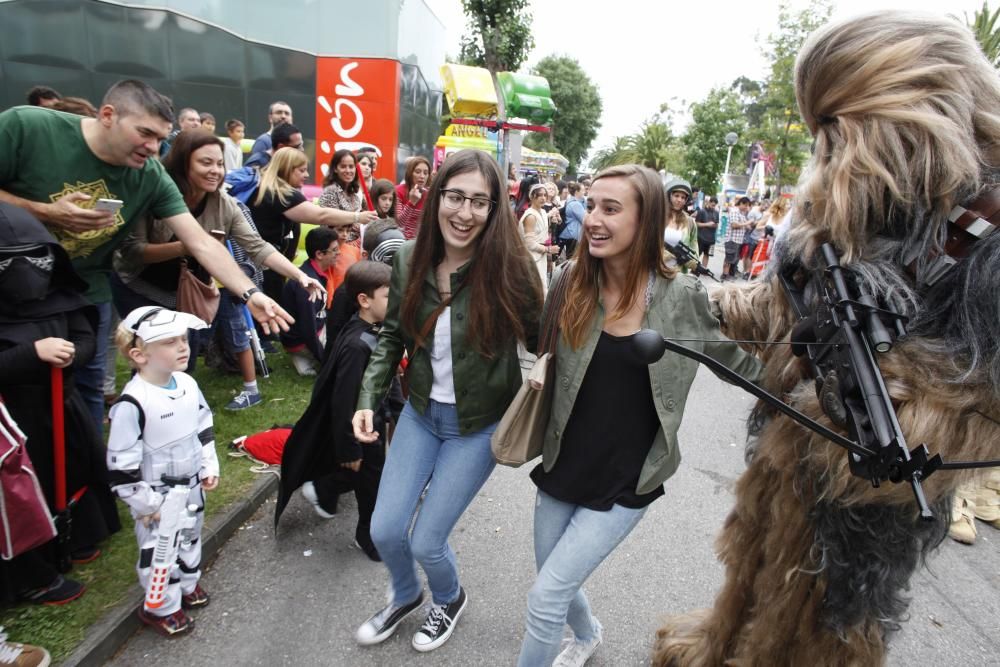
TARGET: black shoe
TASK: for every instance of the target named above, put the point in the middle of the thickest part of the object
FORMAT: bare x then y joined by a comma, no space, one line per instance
60,591
380,627
364,542
439,624
268,346
85,555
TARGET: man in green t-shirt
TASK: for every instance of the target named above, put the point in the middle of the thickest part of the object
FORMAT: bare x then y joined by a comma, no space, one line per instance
57,166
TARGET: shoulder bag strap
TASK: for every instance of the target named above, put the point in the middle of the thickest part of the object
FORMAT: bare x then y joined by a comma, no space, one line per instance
550,325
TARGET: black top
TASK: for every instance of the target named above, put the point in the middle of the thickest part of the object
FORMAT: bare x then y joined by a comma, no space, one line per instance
269,216
707,234
310,316
608,435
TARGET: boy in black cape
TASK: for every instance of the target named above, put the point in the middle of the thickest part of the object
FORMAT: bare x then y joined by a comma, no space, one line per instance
45,321
321,454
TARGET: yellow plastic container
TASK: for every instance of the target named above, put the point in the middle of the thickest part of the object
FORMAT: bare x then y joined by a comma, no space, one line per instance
469,90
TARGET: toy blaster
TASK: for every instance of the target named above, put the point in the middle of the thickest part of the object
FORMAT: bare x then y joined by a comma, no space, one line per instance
684,254
258,349
176,517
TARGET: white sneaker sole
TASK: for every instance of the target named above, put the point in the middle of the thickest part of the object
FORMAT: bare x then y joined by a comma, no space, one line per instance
424,648
385,634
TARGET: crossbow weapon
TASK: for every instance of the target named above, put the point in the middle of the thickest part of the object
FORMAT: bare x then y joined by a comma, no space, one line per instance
840,332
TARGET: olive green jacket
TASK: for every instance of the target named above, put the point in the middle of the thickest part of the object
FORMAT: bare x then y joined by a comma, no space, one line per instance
678,309
484,387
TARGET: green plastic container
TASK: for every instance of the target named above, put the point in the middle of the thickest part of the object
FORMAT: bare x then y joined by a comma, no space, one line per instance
526,96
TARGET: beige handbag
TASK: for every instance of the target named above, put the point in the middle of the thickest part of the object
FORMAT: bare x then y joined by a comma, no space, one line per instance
519,436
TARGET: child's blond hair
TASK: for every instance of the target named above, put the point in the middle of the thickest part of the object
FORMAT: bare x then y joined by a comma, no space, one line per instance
126,340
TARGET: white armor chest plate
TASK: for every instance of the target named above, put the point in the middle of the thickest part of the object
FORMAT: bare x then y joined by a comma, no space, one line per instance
170,435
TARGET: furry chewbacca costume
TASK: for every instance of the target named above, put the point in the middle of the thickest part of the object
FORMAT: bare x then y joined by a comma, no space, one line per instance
905,111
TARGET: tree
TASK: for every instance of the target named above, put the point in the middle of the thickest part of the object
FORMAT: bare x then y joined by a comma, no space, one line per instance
720,113
984,27
621,152
653,146
781,127
578,109
498,34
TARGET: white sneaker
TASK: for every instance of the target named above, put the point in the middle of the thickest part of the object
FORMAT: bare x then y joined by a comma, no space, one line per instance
577,652
303,364
309,493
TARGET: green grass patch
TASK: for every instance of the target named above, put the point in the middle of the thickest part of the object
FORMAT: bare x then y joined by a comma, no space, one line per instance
111,577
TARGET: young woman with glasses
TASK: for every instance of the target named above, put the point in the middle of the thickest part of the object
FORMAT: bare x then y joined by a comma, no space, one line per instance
461,298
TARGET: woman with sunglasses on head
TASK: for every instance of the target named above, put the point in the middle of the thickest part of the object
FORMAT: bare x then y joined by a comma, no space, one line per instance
278,205
410,195
535,231
598,475
461,298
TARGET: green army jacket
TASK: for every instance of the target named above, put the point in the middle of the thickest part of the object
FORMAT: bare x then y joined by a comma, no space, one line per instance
484,386
678,309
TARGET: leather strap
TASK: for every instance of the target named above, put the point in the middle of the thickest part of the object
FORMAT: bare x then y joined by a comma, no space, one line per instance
966,226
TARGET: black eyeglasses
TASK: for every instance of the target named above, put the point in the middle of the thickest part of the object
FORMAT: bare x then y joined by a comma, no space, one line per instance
454,200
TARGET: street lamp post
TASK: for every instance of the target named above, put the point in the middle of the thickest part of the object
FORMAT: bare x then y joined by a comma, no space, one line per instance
731,140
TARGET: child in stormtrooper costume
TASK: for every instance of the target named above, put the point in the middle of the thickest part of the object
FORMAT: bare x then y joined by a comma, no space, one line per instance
161,425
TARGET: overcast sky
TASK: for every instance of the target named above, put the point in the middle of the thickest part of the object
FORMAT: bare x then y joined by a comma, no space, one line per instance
641,53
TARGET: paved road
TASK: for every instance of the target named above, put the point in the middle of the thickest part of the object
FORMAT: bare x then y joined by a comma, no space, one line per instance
274,605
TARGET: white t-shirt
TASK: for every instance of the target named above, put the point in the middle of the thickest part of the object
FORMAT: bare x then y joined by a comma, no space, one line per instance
443,387
672,235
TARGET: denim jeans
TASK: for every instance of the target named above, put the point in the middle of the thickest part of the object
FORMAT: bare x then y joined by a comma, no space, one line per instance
90,378
424,448
570,542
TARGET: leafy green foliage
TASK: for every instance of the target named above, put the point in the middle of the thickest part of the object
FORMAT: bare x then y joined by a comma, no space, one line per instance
764,111
984,25
653,146
781,127
720,113
498,35
578,110
111,578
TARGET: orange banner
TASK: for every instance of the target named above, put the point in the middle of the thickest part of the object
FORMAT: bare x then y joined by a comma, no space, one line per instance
357,105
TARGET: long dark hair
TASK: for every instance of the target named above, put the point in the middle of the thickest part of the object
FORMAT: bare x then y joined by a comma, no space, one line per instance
178,160
523,202
502,279
383,186
331,175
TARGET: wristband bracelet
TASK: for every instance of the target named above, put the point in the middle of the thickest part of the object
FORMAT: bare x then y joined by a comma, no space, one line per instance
245,297
357,216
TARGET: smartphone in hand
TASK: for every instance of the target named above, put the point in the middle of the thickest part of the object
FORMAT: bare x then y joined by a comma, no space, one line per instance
110,205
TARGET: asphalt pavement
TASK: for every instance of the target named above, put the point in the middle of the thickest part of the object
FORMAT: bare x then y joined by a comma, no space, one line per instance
297,599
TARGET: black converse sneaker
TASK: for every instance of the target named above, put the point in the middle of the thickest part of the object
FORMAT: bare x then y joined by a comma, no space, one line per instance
380,627
440,622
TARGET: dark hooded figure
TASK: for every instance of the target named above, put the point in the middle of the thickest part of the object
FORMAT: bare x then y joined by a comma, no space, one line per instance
45,321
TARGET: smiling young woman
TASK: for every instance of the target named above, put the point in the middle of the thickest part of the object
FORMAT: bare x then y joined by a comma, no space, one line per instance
598,475
461,298
147,267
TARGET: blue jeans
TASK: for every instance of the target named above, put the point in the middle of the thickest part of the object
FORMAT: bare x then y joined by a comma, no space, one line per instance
570,542
90,378
424,448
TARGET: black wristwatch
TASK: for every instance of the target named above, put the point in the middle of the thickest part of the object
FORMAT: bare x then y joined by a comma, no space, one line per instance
245,297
